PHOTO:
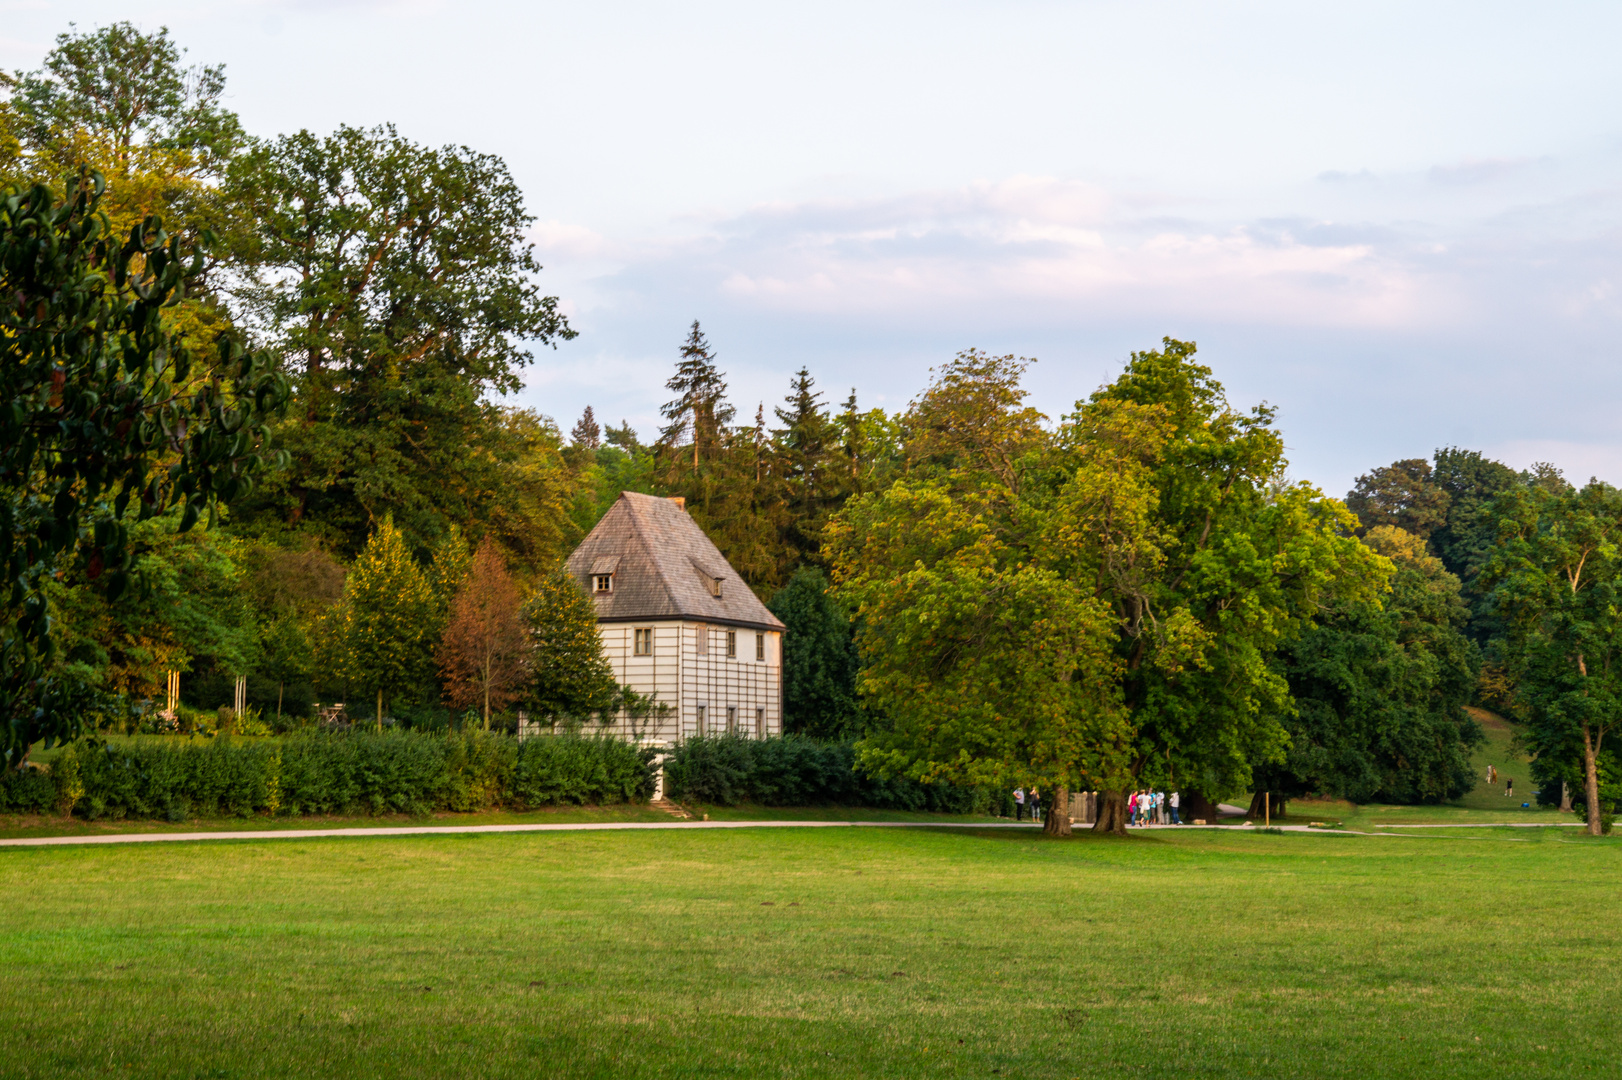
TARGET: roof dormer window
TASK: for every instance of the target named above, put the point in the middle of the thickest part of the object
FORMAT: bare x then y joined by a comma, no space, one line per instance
602,573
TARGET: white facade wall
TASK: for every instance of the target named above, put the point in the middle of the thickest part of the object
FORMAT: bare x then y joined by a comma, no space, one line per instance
688,680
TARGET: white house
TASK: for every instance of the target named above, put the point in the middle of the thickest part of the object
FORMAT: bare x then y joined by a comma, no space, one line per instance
679,623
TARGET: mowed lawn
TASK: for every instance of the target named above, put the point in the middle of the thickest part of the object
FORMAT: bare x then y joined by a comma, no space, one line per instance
833,952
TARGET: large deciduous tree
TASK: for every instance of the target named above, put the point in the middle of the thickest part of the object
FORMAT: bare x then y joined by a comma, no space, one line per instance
1557,586
1403,494
109,418
1240,565
1380,689
485,651
397,284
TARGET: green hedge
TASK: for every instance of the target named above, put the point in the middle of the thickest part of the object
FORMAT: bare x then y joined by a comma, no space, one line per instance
27,791
799,771
355,772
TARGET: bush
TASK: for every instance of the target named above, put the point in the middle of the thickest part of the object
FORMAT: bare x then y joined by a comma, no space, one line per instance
799,771
360,771
27,791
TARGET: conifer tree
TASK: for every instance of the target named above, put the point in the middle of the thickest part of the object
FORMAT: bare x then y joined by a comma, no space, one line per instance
571,676
387,611
808,445
700,409
587,434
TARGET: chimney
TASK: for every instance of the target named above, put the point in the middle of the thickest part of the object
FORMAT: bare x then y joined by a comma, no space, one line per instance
680,501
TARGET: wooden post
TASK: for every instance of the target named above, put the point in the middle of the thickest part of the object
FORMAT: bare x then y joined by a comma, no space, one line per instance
1267,809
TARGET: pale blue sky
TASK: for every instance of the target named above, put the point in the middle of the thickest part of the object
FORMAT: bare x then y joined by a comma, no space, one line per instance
1398,223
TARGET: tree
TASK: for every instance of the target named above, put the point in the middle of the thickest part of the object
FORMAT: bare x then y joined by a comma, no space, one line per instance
1217,567
586,434
972,421
1380,690
396,283
110,420
130,85
820,661
1402,494
806,454
1557,585
570,675
387,611
987,665
484,653
700,411
1465,542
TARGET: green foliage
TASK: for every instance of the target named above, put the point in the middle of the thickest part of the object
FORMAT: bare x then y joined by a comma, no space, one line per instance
1380,691
1557,585
105,412
1404,495
571,676
798,771
1234,565
388,613
27,791
412,305
820,661
355,772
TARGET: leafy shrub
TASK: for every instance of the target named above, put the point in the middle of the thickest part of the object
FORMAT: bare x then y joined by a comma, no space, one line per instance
799,771
27,791
358,771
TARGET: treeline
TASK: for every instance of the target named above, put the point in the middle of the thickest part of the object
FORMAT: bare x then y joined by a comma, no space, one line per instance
1129,595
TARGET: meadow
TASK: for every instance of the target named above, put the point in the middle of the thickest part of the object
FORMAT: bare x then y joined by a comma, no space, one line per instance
817,953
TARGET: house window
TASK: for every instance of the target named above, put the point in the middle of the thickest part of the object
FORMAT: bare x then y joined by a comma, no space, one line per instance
701,720
760,646
732,719
760,723
603,582
701,640
644,641
732,644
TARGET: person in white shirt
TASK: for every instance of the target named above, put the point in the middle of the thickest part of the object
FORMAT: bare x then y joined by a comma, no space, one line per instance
1174,819
1019,803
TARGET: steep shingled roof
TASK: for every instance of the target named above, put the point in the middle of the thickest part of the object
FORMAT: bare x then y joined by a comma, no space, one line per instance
666,568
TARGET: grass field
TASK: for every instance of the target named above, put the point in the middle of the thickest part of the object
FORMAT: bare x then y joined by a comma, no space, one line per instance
817,953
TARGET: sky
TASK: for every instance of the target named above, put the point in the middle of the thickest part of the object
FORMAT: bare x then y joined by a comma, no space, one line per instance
1398,224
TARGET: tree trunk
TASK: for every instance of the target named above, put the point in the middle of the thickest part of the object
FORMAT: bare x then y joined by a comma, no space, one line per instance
1111,813
1058,820
279,688
380,712
1261,809
1196,807
1591,781
1565,797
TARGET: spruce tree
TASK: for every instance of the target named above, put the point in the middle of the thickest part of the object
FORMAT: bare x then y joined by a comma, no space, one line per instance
700,409
807,447
587,434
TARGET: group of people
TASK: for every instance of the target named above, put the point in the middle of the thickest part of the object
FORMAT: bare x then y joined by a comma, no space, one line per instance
1492,779
1030,801
1152,808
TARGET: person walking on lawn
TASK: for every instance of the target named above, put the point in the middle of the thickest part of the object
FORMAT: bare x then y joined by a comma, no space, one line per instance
1019,804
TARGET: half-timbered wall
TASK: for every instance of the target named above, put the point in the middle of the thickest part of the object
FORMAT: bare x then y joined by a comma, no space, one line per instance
689,679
